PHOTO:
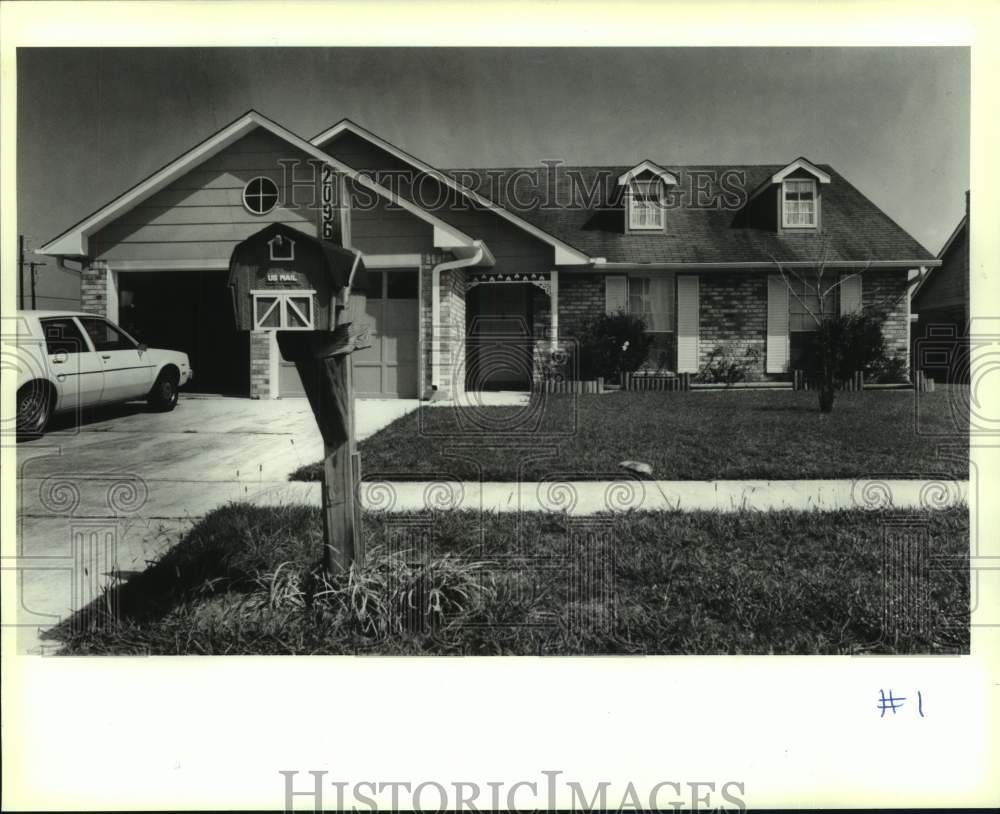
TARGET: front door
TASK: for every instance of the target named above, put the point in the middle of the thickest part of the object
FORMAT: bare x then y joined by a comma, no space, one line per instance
499,355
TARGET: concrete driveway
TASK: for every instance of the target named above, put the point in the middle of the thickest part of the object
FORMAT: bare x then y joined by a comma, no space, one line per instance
115,492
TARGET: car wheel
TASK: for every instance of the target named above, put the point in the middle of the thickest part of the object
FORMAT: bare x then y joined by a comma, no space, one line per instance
163,396
34,408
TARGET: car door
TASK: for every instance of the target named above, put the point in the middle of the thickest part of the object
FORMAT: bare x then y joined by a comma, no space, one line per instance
77,370
128,372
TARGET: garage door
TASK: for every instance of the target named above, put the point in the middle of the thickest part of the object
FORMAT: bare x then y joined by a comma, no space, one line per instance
189,311
388,369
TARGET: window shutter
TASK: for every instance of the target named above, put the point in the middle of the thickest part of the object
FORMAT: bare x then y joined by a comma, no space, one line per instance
777,324
687,324
615,294
850,295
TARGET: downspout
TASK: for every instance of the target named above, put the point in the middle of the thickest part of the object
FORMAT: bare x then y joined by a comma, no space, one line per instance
342,298
350,277
474,259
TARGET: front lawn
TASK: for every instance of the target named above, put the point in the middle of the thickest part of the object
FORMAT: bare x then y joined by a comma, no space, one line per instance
683,436
244,581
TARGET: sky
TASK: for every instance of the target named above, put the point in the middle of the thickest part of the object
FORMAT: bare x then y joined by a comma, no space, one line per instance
893,121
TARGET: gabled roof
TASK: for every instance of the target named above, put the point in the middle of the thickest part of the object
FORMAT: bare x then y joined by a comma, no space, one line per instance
958,230
962,224
854,229
800,163
73,242
564,252
647,166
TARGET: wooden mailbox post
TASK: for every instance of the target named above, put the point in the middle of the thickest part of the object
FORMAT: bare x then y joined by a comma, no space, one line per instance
287,282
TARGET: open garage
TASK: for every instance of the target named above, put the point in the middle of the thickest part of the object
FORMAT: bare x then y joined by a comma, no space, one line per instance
189,311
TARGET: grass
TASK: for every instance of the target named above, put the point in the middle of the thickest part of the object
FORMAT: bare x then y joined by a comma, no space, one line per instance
684,436
244,581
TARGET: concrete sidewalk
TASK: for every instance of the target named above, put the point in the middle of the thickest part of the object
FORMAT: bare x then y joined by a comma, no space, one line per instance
594,497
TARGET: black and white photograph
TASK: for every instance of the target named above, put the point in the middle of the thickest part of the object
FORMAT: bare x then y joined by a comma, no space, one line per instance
404,381
440,350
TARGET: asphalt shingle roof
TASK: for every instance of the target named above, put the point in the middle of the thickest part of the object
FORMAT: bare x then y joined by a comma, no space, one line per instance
853,228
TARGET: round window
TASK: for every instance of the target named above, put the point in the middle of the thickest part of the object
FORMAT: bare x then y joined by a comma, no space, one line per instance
260,195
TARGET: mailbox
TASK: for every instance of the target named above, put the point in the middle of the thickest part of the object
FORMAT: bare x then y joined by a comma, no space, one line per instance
284,280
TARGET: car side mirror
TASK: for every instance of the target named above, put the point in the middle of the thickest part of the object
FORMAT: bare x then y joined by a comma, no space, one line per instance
142,347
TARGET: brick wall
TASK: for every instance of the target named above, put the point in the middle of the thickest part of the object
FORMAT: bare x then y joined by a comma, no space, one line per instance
94,290
452,333
885,290
260,365
581,299
427,263
733,315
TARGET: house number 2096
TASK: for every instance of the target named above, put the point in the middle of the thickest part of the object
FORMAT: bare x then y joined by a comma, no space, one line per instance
327,203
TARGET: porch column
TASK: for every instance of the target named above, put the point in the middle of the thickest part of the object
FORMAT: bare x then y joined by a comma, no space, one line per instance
111,287
554,307
94,289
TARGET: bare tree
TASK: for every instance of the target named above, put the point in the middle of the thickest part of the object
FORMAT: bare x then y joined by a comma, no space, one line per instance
816,288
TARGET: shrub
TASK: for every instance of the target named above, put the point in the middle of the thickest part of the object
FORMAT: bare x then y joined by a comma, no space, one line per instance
555,365
845,344
390,595
889,370
612,344
841,346
727,368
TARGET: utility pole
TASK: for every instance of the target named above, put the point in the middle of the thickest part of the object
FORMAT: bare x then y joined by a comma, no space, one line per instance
32,266
20,271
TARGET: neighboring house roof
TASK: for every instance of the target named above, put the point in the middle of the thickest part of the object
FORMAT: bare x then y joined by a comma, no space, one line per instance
853,228
963,224
73,242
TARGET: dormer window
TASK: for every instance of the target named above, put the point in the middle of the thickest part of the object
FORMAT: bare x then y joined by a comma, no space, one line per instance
645,206
798,198
798,203
644,185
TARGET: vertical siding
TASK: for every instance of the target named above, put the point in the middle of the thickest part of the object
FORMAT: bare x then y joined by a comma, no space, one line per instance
949,284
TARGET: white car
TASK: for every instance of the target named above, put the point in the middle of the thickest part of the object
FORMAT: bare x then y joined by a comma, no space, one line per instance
68,360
